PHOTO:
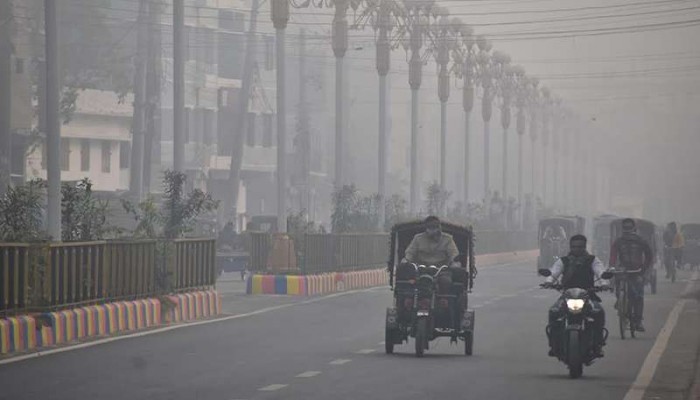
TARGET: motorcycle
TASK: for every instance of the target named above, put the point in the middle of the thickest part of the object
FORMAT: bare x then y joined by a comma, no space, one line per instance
577,340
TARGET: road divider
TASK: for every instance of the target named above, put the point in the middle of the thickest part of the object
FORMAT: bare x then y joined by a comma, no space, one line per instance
334,282
41,330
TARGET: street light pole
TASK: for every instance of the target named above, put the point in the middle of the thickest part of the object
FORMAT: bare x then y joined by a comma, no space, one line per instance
486,110
466,64
340,46
179,86
53,122
280,18
545,140
383,68
415,78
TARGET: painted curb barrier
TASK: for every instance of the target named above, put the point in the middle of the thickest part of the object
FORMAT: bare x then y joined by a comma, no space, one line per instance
333,282
31,332
193,306
311,285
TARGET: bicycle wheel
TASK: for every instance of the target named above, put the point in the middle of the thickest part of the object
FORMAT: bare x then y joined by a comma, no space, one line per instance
621,312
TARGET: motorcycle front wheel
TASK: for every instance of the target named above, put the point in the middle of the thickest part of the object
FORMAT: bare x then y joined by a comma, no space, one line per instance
421,336
574,359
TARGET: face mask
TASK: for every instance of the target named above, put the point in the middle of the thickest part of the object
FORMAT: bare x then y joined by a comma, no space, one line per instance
433,232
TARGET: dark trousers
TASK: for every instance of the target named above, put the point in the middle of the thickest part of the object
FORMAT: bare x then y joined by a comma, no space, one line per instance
636,296
558,310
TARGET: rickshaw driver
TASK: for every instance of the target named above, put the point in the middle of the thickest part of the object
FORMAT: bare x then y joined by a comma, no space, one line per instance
432,247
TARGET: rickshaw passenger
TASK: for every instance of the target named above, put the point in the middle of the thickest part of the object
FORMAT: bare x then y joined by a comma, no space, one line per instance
432,247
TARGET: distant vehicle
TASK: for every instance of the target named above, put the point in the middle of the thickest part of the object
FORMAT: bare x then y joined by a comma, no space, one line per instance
554,234
691,252
600,243
430,301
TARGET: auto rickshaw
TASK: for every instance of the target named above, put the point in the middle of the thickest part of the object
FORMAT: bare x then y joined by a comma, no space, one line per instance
430,301
691,251
600,245
554,234
649,232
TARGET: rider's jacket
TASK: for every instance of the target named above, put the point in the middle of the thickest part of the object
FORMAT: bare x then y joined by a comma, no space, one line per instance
630,251
424,249
581,271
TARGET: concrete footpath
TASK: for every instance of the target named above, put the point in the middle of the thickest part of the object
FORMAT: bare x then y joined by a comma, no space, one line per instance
677,376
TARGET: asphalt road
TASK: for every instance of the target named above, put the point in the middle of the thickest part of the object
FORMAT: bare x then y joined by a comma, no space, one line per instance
331,348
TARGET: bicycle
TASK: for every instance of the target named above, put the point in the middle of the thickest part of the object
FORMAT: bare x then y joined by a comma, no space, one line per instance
670,263
625,311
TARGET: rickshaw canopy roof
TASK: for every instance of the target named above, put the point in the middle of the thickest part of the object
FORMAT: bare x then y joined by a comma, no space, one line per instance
402,234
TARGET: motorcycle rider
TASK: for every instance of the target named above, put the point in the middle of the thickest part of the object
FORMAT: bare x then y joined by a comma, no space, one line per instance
432,247
579,269
631,252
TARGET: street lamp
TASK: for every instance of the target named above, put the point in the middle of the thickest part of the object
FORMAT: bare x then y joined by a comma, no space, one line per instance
465,68
520,87
546,110
418,15
555,133
445,43
383,15
340,47
506,85
533,103
485,78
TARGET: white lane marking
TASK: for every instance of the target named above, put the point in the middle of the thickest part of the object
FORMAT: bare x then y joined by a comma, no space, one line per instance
272,388
382,343
173,327
366,351
340,361
309,374
646,373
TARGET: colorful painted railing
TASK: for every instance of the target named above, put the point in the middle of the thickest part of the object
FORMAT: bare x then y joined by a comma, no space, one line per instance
50,276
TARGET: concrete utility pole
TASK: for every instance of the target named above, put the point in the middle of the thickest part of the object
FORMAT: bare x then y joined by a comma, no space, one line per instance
383,68
304,128
138,126
340,47
178,86
53,121
239,130
5,94
280,18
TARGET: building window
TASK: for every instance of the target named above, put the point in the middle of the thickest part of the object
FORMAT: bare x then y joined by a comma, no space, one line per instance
188,122
65,154
85,155
44,154
19,65
231,21
250,137
269,53
268,133
106,157
124,155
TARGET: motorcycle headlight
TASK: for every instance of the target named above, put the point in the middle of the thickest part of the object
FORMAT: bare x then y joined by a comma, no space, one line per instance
575,305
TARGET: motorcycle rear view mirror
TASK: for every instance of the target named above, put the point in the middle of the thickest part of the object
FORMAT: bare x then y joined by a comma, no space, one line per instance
544,272
607,275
